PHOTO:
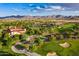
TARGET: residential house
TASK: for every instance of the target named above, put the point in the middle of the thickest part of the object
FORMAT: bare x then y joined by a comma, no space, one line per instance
16,30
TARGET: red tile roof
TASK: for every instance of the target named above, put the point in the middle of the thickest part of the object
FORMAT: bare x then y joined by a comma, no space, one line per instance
20,30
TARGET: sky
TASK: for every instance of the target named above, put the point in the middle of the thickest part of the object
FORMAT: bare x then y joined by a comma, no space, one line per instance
39,9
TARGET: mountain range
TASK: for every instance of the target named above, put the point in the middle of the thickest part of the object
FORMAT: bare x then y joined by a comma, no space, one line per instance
49,16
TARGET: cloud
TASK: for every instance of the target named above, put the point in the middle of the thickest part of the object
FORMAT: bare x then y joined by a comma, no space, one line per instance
45,6
34,10
38,7
57,7
51,8
54,8
14,14
30,4
48,9
19,9
76,11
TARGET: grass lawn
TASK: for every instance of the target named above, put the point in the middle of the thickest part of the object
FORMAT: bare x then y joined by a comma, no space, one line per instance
54,46
6,51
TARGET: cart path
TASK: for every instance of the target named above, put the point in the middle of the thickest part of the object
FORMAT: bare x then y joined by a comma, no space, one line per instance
24,52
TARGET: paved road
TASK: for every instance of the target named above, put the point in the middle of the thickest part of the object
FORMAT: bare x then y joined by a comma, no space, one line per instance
24,52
